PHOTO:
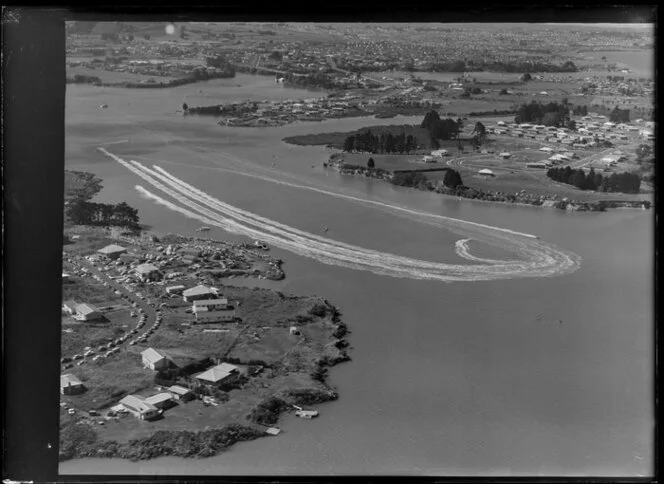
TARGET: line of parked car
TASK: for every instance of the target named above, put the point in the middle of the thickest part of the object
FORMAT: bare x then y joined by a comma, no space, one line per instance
112,347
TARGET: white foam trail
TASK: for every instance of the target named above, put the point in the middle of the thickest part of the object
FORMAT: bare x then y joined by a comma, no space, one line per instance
539,259
370,202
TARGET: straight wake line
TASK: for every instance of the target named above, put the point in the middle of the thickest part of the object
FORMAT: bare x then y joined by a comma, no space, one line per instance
539,259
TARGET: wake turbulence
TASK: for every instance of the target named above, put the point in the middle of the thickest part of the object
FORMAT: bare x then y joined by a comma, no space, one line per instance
537,258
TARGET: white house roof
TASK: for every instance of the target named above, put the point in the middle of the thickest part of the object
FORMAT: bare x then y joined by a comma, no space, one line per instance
485,171
112,249
85,309
199,291
137,403
146,268
505,154
69,379
174,288
211,302
547,149
179,390
159,398
217,373
152,355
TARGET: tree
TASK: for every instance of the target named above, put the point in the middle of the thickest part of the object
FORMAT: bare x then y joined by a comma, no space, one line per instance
526,77
551,119
349,144
503,92
370,163
452,179
185,106
480,132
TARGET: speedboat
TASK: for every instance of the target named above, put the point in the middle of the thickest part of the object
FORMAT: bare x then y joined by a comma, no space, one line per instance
203,229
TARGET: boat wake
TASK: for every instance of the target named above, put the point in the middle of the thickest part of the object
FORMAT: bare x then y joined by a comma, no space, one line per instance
536,258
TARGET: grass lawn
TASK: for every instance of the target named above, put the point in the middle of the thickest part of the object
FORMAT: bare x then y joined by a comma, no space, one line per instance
109,380
391,162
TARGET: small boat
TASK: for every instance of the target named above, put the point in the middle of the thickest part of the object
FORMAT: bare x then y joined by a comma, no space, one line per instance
103,106
306,413
261,245
325,229
203,229
273,431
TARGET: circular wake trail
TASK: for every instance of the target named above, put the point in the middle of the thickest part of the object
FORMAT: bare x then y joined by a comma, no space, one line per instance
538,259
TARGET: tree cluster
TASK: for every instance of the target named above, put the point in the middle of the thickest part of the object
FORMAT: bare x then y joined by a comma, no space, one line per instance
440,128
385,143
619,115
551,114
82,212
580,110
616,182
413,179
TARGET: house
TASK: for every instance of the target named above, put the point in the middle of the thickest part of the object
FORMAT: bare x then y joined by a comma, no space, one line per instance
147,272
538,164
154,360
181,393
175,289
200,292
70,385
294,330
505,155
223,316
429,159
486,172
202,305
161,400
112,251
439,153
546,149
87,312
140,408
218,375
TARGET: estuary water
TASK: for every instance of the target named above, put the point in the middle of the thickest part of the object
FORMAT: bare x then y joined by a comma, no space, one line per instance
476,350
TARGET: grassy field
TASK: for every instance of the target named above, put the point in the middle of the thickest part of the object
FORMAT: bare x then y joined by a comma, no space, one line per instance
391,162
78,335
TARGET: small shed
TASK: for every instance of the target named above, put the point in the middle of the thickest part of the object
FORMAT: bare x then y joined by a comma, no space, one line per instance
155,360
70,385
87,312
486,172
181,393
112,251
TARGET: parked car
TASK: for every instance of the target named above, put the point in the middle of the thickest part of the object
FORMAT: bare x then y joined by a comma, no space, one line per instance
71,411
77,357
65,360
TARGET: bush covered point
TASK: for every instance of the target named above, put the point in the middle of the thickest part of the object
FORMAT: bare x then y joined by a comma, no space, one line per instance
162,443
